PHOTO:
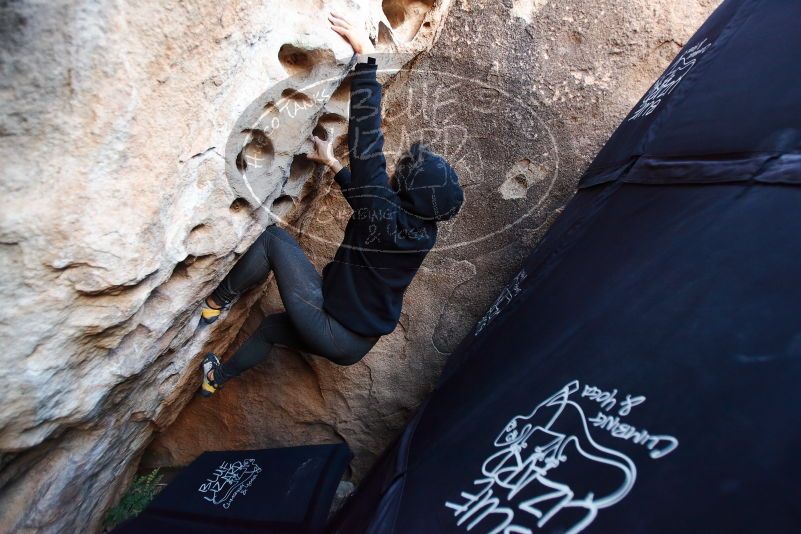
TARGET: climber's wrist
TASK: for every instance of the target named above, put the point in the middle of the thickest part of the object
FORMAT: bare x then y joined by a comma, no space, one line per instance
334,165
363,51
365,47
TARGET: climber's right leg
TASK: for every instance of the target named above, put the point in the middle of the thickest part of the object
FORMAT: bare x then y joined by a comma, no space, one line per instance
251,269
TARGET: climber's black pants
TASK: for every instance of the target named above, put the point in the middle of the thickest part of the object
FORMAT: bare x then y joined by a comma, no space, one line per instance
305,325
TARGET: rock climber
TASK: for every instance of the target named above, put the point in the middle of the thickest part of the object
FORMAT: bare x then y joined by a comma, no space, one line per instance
341,315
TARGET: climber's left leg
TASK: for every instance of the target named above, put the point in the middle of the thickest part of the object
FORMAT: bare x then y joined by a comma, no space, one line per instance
251,269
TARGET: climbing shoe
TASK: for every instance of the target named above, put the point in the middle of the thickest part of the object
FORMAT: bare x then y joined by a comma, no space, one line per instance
208,314
209,387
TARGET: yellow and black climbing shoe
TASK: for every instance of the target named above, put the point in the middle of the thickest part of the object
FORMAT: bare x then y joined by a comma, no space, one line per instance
209,387
208,314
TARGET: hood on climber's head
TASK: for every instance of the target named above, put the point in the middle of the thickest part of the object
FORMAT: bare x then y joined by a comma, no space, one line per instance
427,185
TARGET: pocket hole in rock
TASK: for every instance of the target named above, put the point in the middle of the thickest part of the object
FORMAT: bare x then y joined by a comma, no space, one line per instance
257,154
189,266
321,132
296,60
199,229
299,172
269,113
241,166
406,16
283,205
299,97
199,240
181,268
239,204
333,117
301,169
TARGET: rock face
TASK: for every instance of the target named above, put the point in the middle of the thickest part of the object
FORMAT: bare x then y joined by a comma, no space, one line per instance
118,217
123,149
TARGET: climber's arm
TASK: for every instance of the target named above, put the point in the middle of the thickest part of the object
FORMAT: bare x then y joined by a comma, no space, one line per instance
365,180
365,138
343,178
367,176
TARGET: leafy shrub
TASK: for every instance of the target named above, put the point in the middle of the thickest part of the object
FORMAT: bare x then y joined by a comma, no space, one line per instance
136,499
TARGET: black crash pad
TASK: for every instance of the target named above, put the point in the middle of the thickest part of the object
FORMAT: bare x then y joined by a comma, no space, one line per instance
286,490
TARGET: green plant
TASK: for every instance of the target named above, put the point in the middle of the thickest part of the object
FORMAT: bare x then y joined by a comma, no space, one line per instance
139,494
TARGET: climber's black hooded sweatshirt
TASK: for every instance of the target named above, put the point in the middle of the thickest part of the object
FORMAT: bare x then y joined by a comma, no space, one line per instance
390,231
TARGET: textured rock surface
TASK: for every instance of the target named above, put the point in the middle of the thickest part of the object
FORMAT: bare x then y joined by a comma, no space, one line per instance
520,96
118,217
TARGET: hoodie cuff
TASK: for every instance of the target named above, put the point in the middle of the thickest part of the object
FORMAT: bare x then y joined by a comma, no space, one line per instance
342,177
370,64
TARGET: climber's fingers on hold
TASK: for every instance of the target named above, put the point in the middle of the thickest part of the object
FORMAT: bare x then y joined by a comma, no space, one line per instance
339,24
357,37
339,20
344,32
343,28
